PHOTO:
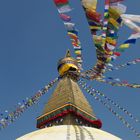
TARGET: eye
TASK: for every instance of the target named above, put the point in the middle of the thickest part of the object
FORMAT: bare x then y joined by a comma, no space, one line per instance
72,69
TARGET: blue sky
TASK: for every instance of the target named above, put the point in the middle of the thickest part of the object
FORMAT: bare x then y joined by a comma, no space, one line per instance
32,39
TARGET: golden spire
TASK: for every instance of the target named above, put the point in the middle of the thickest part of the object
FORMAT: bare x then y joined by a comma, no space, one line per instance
68,105
68,54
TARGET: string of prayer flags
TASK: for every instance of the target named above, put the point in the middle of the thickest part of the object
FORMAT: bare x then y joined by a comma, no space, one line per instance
110,67
117,82
121,118
106,43
114,23
90,11
11,116
106,20
94,73
111,101
92,16
95,24
63,7
127,64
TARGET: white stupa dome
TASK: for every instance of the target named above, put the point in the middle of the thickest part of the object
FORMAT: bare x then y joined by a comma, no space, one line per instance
69,132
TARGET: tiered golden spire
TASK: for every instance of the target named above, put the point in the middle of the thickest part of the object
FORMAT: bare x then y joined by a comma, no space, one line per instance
67,105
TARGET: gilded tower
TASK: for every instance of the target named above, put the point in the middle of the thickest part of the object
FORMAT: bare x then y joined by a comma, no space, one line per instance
68,105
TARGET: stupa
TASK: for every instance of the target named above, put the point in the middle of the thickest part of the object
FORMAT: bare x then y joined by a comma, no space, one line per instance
68,115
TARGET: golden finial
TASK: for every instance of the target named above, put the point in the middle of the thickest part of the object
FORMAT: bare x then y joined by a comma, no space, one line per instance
67,64
68,54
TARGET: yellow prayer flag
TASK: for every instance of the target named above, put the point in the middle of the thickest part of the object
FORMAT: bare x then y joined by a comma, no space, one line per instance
111,41
124,46
78,52
113,13
90,4
114,22
96,27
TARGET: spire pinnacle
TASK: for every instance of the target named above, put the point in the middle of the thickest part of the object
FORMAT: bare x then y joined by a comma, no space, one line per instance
68,54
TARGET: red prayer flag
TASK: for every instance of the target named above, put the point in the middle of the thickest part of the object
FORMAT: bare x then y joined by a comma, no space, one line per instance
117,53
93,15
61,1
